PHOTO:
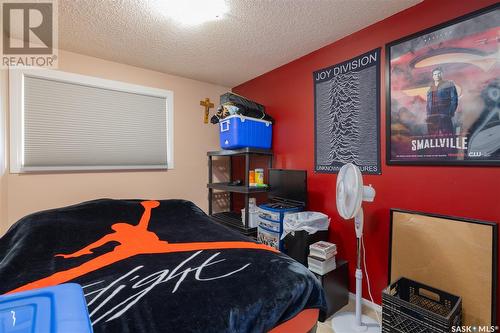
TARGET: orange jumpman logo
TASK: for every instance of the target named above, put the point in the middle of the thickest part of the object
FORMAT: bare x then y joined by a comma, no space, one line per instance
134,240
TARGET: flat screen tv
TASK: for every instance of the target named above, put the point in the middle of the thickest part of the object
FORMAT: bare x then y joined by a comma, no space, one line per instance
288,186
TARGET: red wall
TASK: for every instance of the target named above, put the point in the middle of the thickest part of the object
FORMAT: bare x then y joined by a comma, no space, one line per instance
287,93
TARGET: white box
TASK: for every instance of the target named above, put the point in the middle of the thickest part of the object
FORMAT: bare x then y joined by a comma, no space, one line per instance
322,250
253,217
321,266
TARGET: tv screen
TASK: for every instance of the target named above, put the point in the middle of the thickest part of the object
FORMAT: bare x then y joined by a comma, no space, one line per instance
288,185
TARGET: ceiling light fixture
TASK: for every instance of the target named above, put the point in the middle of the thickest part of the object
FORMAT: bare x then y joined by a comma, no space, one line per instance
192,12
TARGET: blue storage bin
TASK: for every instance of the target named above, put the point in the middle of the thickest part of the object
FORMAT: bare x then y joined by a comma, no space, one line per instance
270,226
238,131
59,309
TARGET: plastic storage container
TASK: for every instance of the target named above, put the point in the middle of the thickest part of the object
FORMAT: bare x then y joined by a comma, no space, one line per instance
59,309
239,131
409,306
259,176
270,226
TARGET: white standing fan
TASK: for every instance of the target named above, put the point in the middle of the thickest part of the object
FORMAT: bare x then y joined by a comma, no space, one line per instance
350,194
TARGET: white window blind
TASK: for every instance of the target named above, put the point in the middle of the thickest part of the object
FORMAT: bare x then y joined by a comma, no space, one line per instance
74,122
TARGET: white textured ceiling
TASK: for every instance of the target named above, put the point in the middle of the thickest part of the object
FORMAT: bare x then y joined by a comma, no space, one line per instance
255,37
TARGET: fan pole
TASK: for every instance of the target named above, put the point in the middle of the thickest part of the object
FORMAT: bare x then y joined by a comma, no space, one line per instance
359,286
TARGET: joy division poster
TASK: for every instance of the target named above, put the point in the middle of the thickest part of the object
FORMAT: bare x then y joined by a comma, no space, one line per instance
346,110
444,97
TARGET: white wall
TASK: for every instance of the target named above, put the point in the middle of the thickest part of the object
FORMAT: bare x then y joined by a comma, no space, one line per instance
3,150
21,194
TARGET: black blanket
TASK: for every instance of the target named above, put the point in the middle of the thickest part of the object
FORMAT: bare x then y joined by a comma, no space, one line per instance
156,266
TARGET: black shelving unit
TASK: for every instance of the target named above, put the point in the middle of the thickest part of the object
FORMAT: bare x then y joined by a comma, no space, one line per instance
233,219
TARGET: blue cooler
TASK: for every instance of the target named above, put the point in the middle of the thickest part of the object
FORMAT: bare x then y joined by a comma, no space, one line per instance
59,309
238,131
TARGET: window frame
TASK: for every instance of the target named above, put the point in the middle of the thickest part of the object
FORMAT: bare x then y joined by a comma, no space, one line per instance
16,100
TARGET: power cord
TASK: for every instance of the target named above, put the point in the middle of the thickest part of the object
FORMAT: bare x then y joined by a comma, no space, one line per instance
368,279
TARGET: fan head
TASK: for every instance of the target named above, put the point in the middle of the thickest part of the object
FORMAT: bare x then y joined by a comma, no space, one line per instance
349,191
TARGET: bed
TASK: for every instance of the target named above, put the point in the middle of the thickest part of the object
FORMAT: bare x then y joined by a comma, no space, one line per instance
159,266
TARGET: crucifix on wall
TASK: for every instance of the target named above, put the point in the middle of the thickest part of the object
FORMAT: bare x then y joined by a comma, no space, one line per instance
207,104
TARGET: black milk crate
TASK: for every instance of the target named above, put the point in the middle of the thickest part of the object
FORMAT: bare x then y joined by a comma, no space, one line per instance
412,307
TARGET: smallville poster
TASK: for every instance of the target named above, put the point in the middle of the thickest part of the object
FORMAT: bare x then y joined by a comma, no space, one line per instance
445,94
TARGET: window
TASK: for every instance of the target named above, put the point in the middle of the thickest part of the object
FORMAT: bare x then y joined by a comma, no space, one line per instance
64,121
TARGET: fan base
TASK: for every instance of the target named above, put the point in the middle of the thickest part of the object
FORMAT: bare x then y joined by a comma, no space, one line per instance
344,322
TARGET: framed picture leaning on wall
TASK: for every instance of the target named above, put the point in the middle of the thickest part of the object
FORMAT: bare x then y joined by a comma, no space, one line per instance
443,93
454,254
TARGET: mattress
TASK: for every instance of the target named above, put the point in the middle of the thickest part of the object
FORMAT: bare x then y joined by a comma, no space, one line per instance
157,266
